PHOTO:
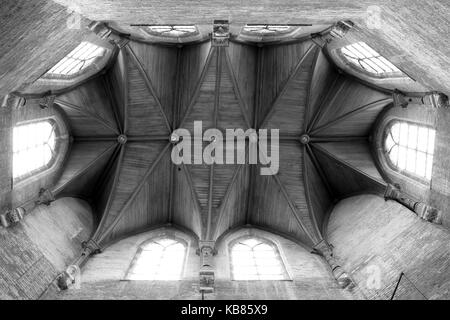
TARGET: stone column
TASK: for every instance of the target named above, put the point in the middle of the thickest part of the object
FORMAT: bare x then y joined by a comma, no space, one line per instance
340,275
422,210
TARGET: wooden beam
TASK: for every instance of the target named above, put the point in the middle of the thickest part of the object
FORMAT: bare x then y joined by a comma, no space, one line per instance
194,196
107,171
257,107
158,137
94,138
149,86
312,216
289,137
285,85
294,211
337,138
237,91
347,115
210,200
348,165
64,104
323,104
251,185
125,89
291,204
60,188
319,169
133,195
215,118
108,88
105,213
311,77
225,199
175,115
198,87
258,90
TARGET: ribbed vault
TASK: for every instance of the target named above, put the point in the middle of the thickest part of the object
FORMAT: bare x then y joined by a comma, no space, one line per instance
121,122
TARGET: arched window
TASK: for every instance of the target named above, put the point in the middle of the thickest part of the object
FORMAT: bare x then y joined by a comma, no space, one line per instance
84,55
256,259
159,259
172,30
267,29
33,147
362,56
409,148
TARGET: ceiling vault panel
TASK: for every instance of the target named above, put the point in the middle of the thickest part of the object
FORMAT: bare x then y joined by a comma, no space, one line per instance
150,90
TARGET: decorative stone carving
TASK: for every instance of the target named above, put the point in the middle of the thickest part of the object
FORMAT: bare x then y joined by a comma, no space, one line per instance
12,101
304,139
69,278
206,273
174,138
221,33
342,278
12,217
400,99
47,101
45,197
122,139
340,29
422,210
104,32
437,100
90,247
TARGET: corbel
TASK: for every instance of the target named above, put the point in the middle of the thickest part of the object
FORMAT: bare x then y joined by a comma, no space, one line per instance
221,33
338,31
12,216
13,101
421,209
106,33
206,275
45,197
341,277
47,101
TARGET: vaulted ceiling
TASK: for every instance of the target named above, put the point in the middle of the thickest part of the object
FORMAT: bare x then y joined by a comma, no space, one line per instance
121,122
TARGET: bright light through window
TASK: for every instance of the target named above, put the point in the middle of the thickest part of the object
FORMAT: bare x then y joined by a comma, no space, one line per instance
266,29
254,259
158,260
80,58
173,31
411,147
363,56
33,147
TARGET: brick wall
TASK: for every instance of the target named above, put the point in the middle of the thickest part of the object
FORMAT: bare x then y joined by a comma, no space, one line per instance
35,251
376,240
102,275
